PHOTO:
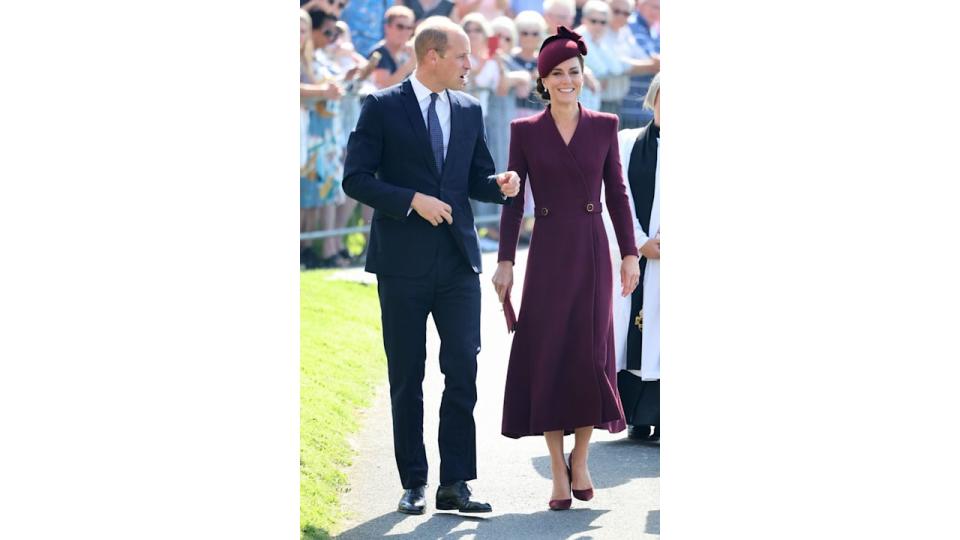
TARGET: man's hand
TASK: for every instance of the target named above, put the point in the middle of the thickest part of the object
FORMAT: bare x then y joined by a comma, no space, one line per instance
651,249
509,183
432,209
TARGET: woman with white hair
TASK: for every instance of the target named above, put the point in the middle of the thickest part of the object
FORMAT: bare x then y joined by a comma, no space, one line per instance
515,83
485,73
531,31
603,63
486,76
636,319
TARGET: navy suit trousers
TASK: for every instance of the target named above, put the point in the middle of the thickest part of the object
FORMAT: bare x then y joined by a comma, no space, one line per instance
451,292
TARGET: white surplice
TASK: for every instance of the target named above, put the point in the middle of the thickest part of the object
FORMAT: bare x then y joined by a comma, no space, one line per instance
622,317
650,354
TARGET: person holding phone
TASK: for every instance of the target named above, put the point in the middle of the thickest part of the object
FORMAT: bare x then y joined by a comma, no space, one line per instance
322,171
531,31
485,73
501,108
515,82
485,77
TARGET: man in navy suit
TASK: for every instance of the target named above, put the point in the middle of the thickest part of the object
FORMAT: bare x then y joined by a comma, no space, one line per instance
417,156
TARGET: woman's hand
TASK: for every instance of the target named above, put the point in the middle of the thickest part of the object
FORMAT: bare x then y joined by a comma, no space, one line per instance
503,279
629,274
332,90
651,249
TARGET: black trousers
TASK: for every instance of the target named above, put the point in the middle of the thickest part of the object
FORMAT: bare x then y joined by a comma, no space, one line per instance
451,292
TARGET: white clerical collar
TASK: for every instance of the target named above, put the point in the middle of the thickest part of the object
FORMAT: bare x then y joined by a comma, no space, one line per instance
422,92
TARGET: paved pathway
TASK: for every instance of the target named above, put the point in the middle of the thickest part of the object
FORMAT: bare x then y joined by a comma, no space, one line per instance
514,475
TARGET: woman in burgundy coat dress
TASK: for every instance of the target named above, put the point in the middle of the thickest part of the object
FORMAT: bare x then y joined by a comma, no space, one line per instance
562,373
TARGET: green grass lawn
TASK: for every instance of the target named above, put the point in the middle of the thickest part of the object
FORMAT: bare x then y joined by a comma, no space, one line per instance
341,364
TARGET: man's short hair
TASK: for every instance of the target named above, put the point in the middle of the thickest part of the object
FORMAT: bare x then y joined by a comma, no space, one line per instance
433,33
398,11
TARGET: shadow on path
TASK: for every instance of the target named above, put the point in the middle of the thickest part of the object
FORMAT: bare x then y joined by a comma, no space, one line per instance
653,522
545,524
613,463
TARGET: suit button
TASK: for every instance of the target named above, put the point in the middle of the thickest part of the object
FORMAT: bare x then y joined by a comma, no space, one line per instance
589,207
544,211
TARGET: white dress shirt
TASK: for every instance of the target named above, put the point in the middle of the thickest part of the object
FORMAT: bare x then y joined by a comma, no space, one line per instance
443,109
443,113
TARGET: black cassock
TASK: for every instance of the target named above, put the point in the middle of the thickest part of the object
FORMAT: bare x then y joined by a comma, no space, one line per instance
641,399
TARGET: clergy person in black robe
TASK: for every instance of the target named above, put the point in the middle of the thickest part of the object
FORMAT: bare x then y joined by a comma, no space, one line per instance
638,378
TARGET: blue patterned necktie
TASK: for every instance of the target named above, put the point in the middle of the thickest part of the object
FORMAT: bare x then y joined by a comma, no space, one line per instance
436,136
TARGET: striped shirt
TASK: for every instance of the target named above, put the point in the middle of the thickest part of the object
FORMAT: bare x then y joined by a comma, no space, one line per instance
632,113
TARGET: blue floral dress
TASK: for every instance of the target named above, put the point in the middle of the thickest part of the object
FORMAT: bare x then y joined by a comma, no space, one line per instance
325,143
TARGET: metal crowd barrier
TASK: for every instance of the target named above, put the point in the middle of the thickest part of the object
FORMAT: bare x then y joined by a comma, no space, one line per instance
315,235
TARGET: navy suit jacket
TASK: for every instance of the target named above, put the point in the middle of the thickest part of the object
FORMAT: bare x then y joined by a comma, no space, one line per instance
389,159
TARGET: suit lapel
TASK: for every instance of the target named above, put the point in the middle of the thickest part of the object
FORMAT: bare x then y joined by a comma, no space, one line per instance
412,108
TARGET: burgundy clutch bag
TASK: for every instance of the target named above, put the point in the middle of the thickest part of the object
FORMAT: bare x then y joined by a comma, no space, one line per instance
509,315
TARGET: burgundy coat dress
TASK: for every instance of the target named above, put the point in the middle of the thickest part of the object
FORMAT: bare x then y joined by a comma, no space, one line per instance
562,371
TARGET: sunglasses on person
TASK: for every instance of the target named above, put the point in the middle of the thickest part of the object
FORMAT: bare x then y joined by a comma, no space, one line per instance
529,34
473,30
334,3
331,34
601,22
620,12
403,27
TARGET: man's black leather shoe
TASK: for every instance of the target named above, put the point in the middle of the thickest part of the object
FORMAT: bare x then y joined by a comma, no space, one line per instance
457,497
413,501
638,433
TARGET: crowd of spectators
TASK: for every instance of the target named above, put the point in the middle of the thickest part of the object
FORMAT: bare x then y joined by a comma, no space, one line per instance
350,48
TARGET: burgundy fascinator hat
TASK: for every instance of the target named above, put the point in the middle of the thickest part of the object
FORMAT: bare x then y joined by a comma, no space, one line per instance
564,45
